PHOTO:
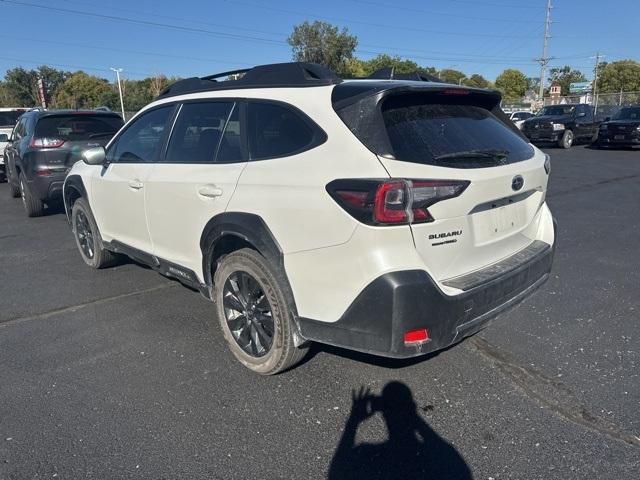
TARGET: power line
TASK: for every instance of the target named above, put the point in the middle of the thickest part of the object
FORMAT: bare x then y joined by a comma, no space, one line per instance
370,24
66,65
442,14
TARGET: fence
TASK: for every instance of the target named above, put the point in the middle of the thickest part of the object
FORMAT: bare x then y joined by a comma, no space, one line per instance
604,103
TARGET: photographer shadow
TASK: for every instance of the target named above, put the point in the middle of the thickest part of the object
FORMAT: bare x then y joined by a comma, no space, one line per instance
413,449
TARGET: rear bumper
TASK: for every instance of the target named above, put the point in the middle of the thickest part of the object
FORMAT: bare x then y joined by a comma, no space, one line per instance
407,300
48,188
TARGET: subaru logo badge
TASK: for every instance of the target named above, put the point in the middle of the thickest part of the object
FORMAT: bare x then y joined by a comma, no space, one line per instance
517,182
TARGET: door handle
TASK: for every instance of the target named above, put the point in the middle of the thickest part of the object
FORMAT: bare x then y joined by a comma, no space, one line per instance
210,191
136,184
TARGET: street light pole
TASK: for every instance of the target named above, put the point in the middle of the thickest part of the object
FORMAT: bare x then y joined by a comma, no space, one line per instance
118,70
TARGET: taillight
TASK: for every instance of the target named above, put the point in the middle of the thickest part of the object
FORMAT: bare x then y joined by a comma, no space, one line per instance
46,142
395,201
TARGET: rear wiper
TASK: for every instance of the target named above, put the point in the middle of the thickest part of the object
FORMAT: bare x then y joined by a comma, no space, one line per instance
101,134
494,154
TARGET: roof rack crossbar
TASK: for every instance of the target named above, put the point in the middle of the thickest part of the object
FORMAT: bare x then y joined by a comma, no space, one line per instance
283,75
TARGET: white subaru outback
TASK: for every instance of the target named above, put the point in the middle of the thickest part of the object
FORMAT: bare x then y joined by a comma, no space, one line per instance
393,217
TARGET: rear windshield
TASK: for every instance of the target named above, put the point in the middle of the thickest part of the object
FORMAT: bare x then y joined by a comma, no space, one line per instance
632,113
78,127
451,135
9,119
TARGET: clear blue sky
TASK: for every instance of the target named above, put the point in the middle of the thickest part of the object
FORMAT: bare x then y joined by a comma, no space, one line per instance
197,37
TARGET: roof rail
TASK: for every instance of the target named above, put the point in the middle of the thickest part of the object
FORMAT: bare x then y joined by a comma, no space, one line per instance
389,74
277,75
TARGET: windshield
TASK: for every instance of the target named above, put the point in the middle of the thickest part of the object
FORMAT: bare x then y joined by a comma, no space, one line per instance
458,136
9,119
632,113
78,127
557,110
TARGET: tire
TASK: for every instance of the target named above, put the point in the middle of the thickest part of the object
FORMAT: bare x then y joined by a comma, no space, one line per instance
32,204
14,190
87,236
567,139
253,312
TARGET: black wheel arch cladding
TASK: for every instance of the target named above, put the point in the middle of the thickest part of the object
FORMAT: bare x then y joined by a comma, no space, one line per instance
250,229
73,187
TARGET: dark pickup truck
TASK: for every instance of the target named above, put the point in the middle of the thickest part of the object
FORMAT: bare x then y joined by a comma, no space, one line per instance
562,125
623,130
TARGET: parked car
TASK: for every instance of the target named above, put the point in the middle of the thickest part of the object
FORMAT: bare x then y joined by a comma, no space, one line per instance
519,117
45,144
623,130
562,124
390,217
8,119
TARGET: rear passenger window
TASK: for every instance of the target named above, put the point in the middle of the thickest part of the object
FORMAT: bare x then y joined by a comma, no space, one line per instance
230,149
277,131
198,132
141,141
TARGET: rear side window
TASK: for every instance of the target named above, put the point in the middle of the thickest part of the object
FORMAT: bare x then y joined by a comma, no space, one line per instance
141,141
77,127
279,131
450,135
198,132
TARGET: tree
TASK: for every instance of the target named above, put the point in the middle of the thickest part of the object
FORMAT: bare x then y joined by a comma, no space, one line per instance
321,42
621,76
85,91
22,87
52,79
451,76
478,81
386,61
512,83
566,76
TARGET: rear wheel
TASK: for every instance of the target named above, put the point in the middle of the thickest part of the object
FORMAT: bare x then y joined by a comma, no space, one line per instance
255,318
88,240
567,139
32,204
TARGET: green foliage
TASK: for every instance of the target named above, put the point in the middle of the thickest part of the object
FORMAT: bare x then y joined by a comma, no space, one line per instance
451,76
512,83
476,80
565,76
386,61
85,91
321,42
621,76
21,87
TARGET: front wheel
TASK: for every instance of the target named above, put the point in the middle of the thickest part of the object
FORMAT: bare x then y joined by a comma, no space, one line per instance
567,139
254,315
88,240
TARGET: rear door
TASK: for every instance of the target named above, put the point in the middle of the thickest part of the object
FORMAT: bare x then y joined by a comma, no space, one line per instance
456,138
118,191
196,178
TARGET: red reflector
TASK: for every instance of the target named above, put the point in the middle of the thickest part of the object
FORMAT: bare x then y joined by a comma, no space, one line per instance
355,198
416,337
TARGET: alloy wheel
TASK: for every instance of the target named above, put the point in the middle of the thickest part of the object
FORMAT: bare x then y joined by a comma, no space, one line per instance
248,314
84,234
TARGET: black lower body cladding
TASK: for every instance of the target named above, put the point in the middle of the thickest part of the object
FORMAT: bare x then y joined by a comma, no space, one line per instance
402,301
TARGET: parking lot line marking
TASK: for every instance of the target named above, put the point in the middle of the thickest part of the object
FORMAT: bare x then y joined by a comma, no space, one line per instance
80,306
549,392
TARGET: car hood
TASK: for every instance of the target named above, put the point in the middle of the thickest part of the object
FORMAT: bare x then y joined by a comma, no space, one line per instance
626,122
549,119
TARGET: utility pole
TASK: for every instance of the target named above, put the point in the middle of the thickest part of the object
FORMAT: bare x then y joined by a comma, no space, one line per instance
544,60
595,82
118,70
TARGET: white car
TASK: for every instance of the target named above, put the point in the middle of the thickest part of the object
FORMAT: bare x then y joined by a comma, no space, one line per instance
390,217
8,119
519,117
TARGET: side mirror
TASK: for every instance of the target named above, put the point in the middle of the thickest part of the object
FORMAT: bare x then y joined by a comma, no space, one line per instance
94,156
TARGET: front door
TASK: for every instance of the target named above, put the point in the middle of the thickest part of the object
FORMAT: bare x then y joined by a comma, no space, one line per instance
119,190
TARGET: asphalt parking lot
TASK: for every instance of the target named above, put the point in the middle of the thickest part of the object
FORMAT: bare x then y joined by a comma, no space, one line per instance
122,373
